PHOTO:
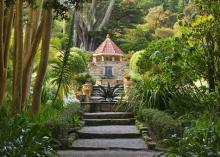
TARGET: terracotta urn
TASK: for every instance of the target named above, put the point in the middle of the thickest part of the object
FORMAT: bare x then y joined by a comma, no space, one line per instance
86,89
78,94
127,82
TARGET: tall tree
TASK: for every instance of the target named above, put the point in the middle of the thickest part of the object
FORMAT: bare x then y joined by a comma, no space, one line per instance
6,21
27,38
2,68
95,20
206,29
34,29
43,61
18,71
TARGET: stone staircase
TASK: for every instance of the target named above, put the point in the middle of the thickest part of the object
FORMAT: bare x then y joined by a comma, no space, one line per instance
107,134
107,131
109,118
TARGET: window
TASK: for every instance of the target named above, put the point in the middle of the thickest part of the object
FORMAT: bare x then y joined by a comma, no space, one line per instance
108,71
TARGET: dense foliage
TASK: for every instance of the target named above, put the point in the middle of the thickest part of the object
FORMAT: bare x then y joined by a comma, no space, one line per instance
176,74
23,137
38,136
173,47
196,141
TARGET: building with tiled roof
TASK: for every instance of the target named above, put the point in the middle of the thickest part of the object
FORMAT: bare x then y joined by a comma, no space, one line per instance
108,51
108,63
108,47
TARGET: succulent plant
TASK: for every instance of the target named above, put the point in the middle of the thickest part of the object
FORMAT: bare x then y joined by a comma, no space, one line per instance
109,93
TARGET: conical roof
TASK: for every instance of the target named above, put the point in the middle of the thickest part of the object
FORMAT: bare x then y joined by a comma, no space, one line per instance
108,47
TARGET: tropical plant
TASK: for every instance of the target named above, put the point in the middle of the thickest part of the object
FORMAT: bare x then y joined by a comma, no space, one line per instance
144,94
61,122
22,137
191,100
64,76
110,93
195,142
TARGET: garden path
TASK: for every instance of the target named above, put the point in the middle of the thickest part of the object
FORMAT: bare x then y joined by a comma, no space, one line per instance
108,134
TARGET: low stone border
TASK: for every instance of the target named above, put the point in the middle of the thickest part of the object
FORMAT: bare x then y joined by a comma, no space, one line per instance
145,134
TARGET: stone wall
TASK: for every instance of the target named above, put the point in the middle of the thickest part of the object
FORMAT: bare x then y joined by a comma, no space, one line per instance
118,70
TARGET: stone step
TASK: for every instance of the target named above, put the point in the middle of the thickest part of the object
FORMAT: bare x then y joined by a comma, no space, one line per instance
107,153
109,131
109,144
95,122
110,135
108,115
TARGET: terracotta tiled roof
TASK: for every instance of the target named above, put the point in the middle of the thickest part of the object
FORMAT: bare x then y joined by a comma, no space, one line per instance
108,47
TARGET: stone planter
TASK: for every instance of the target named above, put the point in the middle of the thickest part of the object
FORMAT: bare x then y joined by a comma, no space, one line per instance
83,98
151,145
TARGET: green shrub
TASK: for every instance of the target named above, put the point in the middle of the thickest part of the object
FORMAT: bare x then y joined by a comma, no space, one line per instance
84,54
22,137
161,123
133,67
187,100
46,114
84,77
201,142
62,123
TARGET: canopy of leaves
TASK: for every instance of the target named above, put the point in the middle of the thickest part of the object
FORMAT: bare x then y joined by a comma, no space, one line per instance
178,62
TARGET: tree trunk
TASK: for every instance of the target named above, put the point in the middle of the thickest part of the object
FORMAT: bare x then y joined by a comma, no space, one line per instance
9,23
92,44
82,31
28,64
37,16
7,36
107,15
28,31
2,69
87,41
91,15
17,91
27,48
43,61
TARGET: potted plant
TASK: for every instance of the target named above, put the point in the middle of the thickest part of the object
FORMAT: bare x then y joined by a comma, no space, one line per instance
127,80
86,89
78,93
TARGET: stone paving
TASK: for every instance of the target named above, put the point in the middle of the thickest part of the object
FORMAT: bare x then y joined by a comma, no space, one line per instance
108,140
110,129
130,144
109,115
107,153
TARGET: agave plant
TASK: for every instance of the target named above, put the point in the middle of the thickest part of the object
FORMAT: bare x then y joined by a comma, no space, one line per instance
109,93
